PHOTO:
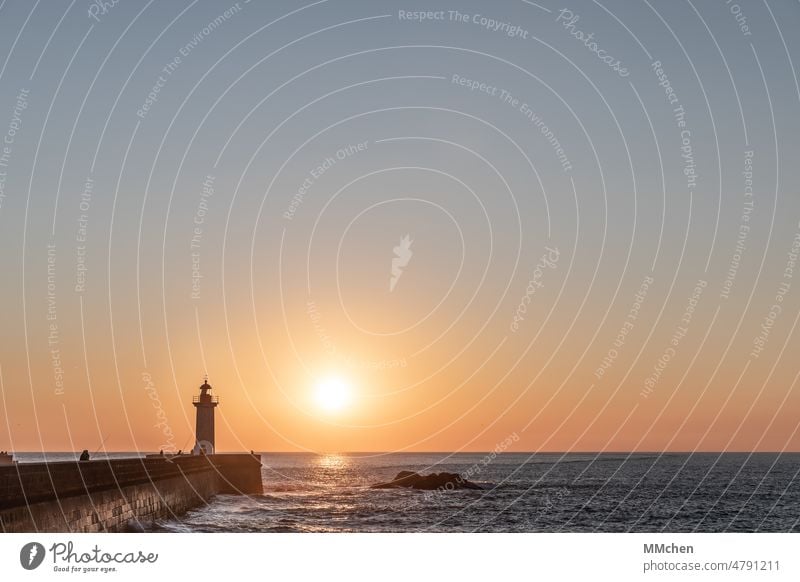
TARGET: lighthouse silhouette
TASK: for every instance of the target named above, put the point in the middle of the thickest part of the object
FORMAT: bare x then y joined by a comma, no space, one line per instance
205,404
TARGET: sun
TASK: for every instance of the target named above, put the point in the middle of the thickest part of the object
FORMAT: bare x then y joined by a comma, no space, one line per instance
333,394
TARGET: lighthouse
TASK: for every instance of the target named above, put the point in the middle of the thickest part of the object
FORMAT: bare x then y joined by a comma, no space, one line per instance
205,404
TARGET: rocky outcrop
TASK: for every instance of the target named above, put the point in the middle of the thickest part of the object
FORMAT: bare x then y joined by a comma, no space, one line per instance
441,481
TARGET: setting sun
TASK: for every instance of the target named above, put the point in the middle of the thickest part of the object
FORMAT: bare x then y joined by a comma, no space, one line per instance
333,394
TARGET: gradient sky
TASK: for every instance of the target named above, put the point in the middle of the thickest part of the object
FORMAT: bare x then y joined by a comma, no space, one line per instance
113,341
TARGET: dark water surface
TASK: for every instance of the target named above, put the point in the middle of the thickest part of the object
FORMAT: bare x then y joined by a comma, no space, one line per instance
524,493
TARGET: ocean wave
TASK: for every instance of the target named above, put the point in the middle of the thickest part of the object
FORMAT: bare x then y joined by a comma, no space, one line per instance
293,487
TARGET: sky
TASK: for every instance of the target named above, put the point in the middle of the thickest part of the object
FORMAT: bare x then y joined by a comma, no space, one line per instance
382,226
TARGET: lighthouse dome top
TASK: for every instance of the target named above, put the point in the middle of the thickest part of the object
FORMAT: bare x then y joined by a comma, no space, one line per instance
205,396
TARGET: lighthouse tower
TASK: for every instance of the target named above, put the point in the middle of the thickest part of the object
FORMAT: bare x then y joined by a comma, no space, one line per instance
205,404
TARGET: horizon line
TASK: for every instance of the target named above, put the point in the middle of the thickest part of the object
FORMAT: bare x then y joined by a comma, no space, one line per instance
283,452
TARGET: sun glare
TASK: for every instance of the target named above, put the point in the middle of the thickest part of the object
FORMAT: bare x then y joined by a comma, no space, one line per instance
333,394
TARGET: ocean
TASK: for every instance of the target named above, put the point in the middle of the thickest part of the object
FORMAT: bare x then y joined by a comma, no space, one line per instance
708,492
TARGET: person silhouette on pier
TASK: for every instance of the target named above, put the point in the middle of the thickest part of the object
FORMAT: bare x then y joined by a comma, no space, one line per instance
84,455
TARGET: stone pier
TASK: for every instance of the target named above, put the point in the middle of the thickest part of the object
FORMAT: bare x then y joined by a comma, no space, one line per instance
120,494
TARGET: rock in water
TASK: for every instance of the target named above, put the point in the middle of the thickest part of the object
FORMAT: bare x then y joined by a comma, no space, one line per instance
442,481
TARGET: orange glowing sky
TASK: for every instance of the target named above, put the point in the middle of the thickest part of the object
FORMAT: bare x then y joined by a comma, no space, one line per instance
346,198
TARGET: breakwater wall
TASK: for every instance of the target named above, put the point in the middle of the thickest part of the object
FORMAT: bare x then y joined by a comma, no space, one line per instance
119,494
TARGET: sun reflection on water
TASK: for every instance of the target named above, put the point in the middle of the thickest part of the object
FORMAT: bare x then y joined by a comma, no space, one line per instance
332,461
